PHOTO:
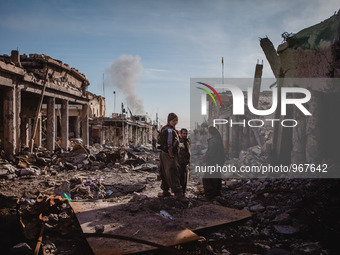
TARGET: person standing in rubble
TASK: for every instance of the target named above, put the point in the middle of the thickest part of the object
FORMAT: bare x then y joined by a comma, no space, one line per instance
154,138
169,166
184,158
212,182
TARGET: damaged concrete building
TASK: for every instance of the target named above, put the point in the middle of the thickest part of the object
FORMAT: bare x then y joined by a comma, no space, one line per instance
120,131
38,87
310,59
97,106
27,83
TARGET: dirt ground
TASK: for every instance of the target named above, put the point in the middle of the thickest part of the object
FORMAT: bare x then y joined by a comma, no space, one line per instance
290,216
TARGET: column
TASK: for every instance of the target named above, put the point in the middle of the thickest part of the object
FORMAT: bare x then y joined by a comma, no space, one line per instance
257,85
9,123
17,118
143,136
135,136
24,132
64,124
37,138
77,127
51,124
85,125
130,140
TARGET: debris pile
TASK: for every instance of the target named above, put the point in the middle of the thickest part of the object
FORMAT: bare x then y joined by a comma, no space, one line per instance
282,209
286,213
50,218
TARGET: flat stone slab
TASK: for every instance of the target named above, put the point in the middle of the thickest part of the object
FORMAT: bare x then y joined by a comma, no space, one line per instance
209,215
144,224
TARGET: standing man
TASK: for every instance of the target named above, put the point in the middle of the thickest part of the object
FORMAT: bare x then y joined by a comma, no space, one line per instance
184,158
169,166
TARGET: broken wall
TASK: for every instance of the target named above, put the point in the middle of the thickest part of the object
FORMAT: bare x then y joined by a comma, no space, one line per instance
312,53
97,106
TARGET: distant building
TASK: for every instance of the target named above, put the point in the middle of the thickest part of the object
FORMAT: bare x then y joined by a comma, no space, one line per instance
120,131
97,106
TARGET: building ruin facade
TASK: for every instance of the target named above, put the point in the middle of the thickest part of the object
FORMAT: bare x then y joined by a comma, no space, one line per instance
31,83
311,57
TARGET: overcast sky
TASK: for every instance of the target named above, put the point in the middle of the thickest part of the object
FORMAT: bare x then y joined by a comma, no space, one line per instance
173,40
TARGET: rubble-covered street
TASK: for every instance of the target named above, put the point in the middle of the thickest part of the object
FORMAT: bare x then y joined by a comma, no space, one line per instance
289,216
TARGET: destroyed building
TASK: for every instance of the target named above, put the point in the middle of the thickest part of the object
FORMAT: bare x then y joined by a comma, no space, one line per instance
32,86
310,58
97,106
28,82
120,131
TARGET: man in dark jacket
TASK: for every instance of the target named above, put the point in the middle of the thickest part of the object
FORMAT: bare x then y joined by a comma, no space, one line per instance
169,166
184,158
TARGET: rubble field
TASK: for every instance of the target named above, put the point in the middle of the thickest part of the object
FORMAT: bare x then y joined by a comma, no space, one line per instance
289,216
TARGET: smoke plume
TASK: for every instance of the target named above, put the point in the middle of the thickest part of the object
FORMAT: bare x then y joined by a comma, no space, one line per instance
124,73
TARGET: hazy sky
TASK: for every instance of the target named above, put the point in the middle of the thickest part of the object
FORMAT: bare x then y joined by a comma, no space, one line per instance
173,40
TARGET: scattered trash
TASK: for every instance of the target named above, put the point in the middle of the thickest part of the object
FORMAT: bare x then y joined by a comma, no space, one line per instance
146,166
21,248
29,171
166,215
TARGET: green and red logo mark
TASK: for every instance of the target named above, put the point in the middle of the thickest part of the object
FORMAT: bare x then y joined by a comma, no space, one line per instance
208,92
204,100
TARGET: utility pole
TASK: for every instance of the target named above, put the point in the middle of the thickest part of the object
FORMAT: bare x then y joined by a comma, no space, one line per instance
103,87
222,71
114,106
123,128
